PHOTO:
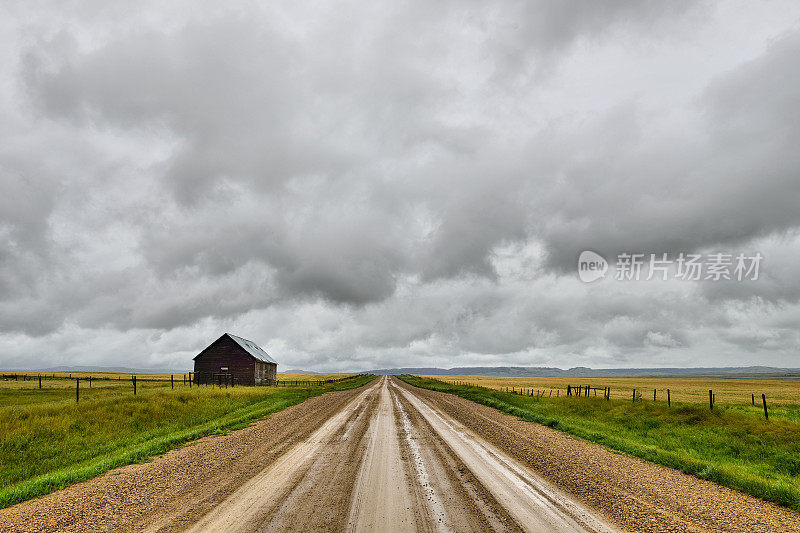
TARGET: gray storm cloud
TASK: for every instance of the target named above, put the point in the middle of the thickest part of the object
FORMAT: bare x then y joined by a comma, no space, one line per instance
361,185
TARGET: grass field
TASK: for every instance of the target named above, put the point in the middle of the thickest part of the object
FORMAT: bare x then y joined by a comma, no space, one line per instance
47,441
311,377
727,391
783,396
732,446
122,376
99,375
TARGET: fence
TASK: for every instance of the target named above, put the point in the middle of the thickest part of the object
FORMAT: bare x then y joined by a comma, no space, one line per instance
310,382
186,379
584,390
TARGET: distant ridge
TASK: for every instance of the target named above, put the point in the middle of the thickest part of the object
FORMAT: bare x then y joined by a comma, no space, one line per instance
127,370
297,371
585,372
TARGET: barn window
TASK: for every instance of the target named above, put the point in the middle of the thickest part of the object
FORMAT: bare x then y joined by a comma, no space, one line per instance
223,369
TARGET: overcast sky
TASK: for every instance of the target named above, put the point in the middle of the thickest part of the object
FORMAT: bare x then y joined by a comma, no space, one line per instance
357,185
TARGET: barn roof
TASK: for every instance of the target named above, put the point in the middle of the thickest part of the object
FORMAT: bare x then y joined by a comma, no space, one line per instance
250,347
253,349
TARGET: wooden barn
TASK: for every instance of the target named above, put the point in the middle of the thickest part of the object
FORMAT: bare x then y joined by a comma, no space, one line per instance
232,359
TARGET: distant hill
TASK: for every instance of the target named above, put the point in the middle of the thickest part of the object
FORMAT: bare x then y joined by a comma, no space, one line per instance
298,371
79,368
585,372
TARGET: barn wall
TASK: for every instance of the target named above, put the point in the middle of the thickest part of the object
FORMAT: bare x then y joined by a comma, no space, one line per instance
225,353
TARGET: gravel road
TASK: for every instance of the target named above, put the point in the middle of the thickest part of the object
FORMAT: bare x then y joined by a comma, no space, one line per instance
390,457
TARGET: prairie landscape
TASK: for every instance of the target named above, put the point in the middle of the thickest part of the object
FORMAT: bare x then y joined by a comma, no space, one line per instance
368,196
391,455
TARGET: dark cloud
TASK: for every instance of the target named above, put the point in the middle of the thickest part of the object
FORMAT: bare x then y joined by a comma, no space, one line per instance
733,180
392,184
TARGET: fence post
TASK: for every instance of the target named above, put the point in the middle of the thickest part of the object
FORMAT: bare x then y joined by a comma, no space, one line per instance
634,395
90,382
172,381
569,392
710,399
190,380
654,394
764,399
753,398
134,384
668,399
77,390
40,381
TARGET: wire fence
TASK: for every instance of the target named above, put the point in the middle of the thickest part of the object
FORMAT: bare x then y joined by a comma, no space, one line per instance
187,379
584,390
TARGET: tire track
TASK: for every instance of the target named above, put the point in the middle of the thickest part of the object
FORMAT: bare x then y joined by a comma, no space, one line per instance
432,497
261,496
383,498
467,505
535,504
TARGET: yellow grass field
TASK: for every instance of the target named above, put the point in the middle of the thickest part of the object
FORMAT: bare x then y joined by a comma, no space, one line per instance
691,390
312,377
61,380
98,375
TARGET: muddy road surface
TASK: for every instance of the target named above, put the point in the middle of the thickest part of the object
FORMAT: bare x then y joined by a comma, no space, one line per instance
391,457
413,469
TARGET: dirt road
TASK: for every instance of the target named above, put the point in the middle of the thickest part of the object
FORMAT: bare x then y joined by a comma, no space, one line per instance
405,481
390,457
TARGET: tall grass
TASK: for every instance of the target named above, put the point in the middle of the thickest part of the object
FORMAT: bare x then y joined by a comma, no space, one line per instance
727,446
47,441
